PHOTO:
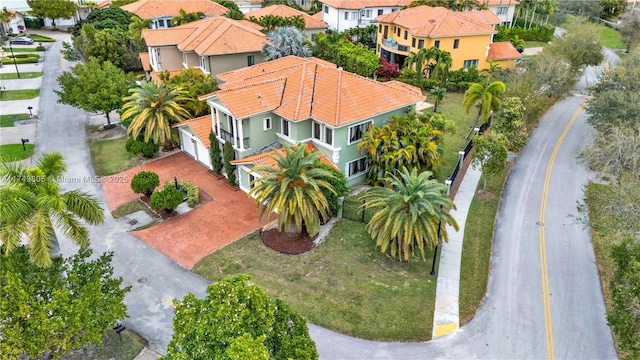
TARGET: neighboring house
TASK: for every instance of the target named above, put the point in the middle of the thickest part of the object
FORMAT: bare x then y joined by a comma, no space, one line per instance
313,26
160,12
504,53
503,9
214,45
294,100
144,59
467,36
15,25
342,15
248,5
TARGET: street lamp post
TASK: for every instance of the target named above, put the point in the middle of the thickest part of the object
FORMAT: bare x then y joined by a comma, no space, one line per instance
14,59
30,112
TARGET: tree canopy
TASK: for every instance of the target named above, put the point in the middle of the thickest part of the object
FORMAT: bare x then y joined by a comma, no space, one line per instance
52,9
195,83
334,47
579,45
271,22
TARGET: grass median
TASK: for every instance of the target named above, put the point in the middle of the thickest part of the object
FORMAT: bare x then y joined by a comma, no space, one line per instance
7,120
12,95
23,75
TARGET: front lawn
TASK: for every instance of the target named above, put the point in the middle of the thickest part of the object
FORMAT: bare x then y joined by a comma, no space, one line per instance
109,156
15,152
23,75
10,95
7,120
345,284
20,49
610,38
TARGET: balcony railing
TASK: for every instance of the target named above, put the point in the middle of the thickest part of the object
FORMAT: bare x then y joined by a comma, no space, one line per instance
394,45
227,136
366,22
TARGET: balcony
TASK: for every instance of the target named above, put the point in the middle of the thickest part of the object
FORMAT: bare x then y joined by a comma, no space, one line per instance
366,22
227,136
391,44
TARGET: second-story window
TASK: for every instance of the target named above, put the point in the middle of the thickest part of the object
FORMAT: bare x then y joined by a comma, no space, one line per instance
326,9
346,15
413,42
420,44
502,10
161,23
357,132
436,44
202,62
379,28
456,43
406,34
380,12
286,127
316,130
251,60
267,123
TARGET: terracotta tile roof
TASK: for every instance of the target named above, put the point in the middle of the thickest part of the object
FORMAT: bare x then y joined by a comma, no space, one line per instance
361,4
503,51
201,127
310,89
251,24
285,11
317,16
104,4
436,22
216,35
151,9
144,57
269,158
485,16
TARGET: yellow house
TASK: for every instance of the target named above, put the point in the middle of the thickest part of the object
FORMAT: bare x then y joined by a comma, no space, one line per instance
467,36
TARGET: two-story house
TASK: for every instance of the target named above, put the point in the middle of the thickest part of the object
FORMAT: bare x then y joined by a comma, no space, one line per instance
214,45
160,12
342,15
467,36
313,26
294,100
503,9
15,24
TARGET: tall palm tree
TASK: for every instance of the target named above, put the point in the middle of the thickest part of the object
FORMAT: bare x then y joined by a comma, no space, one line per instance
185,17
33,205
438,94
439,69
486,98
409,214
153,108
488,72
137,25
293,189
285,41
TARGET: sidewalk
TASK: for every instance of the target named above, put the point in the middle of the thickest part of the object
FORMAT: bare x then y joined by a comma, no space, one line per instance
446,317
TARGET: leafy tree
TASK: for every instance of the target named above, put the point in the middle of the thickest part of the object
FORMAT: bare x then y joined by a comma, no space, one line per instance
105,47
509,121
110,18
215,154
185,17
228,155
32,205
387,70
285,41
136,26
166,199
363,35
339,183
195,83
237,317
94,86
55,310
335,48
438,94
293,189
5,17
579,45
153,108
490,154
630,29
145,182
234,11
271,22
409,213
486,98
612,8
120,3
52,9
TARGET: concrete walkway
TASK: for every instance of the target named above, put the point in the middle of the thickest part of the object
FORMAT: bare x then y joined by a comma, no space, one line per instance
446,317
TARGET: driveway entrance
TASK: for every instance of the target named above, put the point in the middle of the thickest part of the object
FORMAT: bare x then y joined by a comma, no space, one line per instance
189,237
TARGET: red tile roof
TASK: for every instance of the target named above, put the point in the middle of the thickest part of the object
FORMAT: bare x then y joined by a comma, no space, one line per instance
299,89
361,4
485,16
144,57
437,22
201,127
285,11
151,9
269,158
104,4
503,51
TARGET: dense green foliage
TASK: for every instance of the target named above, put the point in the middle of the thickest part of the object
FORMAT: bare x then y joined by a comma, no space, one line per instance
431,63
194,83
339,183
186,186
238,319
461,5
487,98
106,18
579,46
534,33
285,41
228,155
335,48
509,121
52,9
490,154
215,153
184,17
166,199
57,309
137,146
409,214
271,22
94,86
625,295
145,182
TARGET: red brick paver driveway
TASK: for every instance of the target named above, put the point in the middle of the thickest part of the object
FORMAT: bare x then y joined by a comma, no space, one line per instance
189,237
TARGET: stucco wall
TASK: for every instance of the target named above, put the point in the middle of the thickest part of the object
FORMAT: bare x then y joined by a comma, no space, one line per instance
224,63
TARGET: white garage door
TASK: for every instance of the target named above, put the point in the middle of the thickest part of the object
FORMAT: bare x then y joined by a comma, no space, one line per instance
186,143
203,154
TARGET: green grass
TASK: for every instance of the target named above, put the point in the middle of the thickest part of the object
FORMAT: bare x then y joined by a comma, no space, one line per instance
14,152
19,49
128,349
7,120
530,44
109,156
130,208
40,38
10,95
345,284
451,106
610,38
23,75
476,248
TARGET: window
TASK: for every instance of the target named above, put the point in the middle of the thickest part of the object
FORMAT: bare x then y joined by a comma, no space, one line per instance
393,10
326,9
406,34
356,132
368,14
285,127
346,15
354,15
313,37
252,178
357,167
502,10
436,44
328,136
398,31
379,28
420,44
160,23
316,130
456,43
251,60
266,123
322,132
203,63
470,63
380,12
413,42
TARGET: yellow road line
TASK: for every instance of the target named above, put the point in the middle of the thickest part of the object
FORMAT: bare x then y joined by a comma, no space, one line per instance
543,252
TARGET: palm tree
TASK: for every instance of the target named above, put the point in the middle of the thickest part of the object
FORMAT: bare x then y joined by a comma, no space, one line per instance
153,108
440,68
185,17
438,94
409,213
137,25
33,205
419,61
293,189
285,41
486,98
488,72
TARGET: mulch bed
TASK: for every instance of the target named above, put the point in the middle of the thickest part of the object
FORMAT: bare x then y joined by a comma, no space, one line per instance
282,242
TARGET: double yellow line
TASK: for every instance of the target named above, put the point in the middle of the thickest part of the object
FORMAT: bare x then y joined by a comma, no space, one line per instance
543,252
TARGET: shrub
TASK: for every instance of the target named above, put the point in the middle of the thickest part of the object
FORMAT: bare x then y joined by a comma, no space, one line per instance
229,154
193,192
215,154
339,183
166,199
145,182
136,147
40,48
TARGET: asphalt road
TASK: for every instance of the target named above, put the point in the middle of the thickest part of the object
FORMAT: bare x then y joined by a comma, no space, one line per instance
511,321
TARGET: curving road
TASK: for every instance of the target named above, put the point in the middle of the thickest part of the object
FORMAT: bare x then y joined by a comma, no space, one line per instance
512,321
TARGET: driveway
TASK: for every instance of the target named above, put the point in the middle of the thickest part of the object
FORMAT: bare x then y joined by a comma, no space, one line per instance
189,237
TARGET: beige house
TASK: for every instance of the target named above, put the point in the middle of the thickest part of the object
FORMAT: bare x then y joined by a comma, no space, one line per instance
160,12
313,26
213,45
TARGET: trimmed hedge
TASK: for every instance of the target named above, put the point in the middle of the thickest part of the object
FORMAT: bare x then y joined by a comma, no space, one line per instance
136,147
166,199
193,192
145,182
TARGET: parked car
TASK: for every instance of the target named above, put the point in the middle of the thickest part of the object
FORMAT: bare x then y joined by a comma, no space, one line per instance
22,40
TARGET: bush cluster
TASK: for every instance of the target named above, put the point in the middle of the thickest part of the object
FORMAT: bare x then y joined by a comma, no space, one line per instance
145,182
193,192
136,147
535,33
166,199
339,183
40,48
